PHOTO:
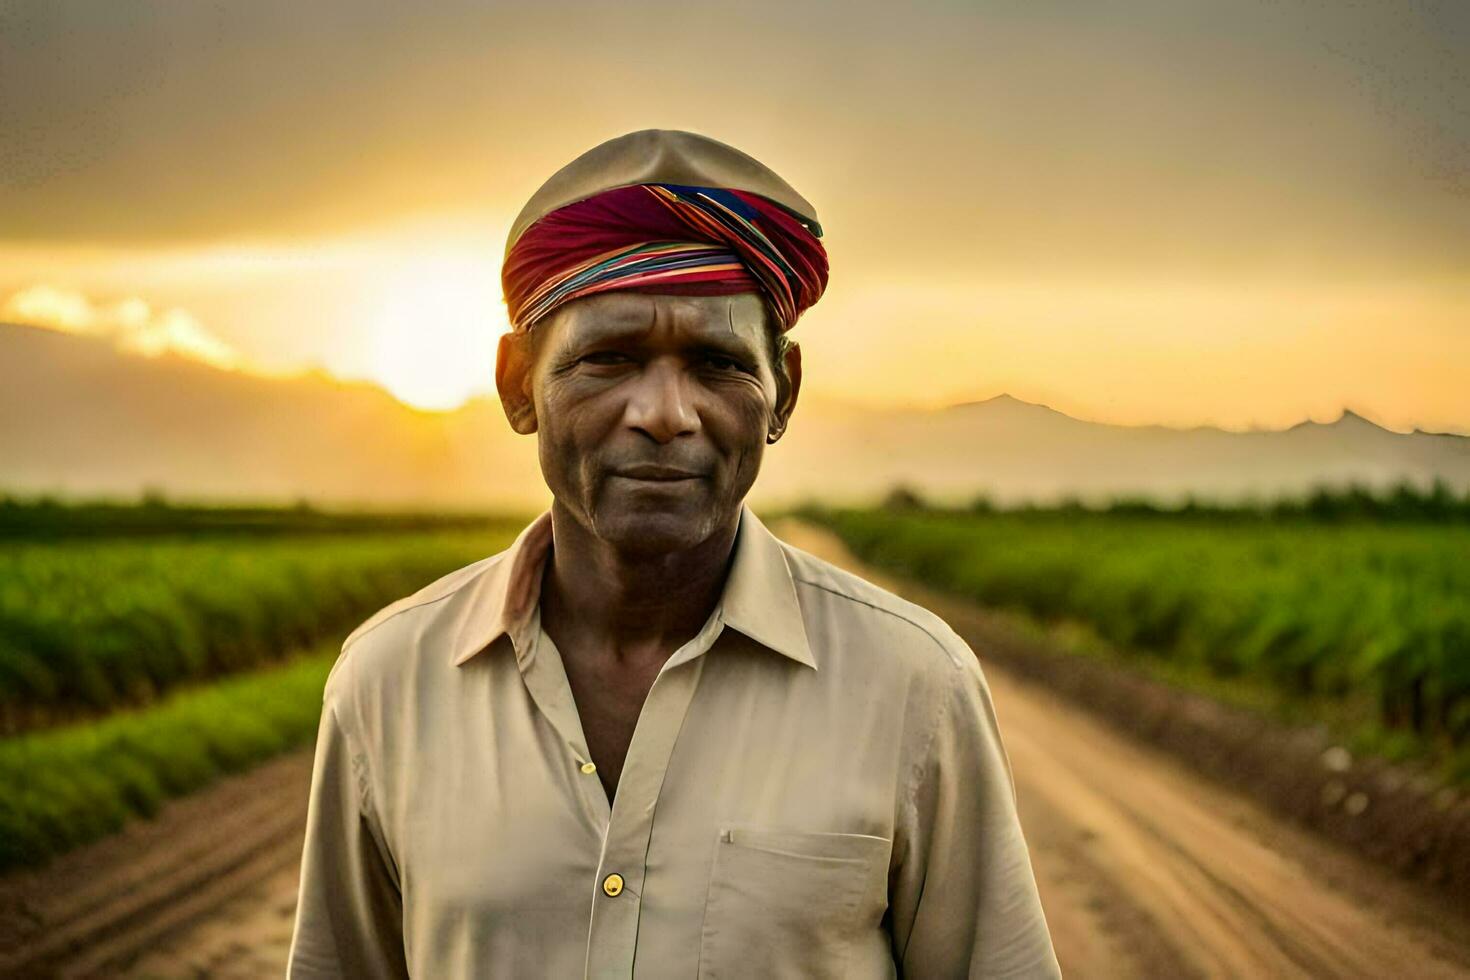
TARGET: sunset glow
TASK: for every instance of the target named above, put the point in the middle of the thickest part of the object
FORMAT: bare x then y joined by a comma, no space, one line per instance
433,329
130,323
1163,214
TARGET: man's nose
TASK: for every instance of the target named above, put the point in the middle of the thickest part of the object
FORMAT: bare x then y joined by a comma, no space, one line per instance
660,403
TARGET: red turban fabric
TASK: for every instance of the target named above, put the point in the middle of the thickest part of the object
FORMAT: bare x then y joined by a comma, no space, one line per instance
666,238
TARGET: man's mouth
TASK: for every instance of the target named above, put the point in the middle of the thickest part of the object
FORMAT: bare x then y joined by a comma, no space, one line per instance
657,474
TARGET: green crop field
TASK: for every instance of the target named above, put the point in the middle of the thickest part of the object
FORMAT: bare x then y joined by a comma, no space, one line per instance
1371,614
141,654
87,624
139,665
70,785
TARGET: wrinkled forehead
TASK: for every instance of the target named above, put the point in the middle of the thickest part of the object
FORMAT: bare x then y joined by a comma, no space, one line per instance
738,321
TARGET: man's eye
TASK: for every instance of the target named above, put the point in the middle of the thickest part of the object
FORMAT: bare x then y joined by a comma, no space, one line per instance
722,363
605,357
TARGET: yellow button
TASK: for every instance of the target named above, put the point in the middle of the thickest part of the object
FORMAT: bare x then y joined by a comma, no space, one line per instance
588,768
612,885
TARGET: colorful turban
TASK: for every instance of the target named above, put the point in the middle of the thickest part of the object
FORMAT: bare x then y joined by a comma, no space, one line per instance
664,236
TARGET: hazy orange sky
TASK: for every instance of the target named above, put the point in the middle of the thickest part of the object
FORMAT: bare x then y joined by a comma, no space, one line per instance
1146,211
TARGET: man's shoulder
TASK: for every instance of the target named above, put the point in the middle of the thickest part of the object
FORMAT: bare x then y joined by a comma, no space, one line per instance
384,641
887,622
421,604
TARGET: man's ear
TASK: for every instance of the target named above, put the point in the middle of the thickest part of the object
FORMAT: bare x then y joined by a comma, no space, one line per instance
786,403
513,365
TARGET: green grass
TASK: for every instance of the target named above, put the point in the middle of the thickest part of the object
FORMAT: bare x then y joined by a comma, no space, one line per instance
1371,619
68,786
88,625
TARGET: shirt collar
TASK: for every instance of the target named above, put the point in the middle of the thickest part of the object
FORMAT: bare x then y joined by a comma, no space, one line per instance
759,598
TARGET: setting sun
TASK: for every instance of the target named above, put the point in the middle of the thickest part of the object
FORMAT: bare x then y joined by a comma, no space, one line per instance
434,330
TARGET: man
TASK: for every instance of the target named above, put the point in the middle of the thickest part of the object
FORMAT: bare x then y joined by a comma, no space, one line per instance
650,738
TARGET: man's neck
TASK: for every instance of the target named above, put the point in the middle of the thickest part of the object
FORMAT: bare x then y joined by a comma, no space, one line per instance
609,603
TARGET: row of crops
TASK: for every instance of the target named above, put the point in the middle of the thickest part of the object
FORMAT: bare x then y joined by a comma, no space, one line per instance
1368,611
48,519
67,786
87,625
137,667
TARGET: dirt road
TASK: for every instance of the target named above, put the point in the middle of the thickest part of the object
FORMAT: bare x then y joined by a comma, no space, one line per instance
1145,870
1148,871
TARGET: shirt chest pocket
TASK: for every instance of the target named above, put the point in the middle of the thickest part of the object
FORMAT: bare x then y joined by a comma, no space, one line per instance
785,903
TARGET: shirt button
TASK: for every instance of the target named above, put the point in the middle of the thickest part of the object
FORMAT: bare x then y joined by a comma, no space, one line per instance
612,885
588,768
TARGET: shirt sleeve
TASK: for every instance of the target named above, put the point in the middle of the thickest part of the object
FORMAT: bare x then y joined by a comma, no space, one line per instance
963,900
349,916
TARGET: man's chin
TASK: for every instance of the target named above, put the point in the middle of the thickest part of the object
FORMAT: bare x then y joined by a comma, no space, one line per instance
655,522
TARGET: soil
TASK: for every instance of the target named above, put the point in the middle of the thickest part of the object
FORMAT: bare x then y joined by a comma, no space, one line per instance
1146,867
98,907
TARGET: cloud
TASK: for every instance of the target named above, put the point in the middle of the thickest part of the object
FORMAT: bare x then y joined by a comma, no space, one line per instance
130,324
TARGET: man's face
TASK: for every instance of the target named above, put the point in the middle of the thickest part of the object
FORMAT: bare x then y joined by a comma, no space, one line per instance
652,413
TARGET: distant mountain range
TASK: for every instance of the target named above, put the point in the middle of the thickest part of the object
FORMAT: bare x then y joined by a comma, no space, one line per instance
79,418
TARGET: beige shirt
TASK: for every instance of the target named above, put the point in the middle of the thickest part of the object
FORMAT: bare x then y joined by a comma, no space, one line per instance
816,787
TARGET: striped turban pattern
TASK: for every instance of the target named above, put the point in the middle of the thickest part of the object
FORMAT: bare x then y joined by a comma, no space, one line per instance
665,238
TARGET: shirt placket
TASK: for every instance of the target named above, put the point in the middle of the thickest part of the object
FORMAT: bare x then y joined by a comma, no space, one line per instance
546,678
618,897
627,826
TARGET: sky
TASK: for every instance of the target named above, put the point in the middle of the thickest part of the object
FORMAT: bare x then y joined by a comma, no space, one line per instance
1136,211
